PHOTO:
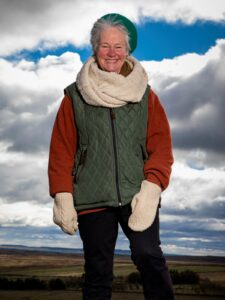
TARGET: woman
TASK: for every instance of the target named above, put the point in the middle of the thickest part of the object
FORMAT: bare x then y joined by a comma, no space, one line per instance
114,126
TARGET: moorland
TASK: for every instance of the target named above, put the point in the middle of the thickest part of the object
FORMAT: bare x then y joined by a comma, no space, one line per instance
29,274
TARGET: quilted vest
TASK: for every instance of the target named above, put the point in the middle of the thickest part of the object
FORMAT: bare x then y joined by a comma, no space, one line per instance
111,151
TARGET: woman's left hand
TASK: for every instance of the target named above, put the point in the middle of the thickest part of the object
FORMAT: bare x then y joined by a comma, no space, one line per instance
144,206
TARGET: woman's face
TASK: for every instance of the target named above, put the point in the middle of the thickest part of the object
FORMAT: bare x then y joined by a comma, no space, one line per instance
112,50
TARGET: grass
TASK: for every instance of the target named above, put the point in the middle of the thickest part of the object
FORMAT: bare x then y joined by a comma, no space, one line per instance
198,268
49,271
73,267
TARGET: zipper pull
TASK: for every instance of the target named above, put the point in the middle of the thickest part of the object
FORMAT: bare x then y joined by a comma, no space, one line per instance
112,114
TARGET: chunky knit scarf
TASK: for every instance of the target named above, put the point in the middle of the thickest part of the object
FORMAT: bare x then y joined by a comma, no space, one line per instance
110,89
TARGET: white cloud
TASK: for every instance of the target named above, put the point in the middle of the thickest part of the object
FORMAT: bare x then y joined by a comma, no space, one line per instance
25,213
194,200
29,92
186,250
40,236
168,73
50,23
49,72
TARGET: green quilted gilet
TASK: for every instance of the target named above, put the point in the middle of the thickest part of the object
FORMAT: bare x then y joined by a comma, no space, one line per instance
111,151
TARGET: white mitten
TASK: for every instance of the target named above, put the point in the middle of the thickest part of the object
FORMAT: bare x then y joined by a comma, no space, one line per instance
64,213
144,206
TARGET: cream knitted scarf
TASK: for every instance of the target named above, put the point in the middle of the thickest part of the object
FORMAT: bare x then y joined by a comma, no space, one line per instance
109,89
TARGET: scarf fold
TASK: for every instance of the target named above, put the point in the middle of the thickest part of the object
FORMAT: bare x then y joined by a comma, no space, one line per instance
110,89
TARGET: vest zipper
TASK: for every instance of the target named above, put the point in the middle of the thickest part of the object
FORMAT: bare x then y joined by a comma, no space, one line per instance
112,118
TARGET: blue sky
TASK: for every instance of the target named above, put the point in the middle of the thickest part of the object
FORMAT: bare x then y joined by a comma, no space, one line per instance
182,47
159,40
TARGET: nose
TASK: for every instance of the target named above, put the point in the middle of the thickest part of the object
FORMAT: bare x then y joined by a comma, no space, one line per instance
111,51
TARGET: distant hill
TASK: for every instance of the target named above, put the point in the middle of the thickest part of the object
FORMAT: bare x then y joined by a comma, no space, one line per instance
22,248
119,252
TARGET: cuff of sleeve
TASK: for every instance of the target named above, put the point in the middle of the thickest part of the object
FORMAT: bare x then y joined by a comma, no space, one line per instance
60,185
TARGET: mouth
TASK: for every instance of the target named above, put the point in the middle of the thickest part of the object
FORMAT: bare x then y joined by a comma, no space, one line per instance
113,61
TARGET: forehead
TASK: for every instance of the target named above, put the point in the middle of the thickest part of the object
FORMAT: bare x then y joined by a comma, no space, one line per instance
112,34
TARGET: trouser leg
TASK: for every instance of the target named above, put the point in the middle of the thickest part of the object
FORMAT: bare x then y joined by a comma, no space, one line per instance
98,232
147,255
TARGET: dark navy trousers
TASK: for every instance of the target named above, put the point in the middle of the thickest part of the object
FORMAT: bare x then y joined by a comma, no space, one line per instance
99,232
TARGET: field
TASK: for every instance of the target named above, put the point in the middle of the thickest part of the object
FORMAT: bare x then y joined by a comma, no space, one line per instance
24,264
47,266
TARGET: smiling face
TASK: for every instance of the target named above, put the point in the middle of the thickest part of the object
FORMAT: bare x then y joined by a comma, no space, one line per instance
112,50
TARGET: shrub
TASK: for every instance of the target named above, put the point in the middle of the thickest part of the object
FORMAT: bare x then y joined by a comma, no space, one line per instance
34,284
4,284
134,278
57,284
184,277
19,284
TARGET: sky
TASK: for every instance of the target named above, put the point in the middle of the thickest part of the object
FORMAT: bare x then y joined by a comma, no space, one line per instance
181,44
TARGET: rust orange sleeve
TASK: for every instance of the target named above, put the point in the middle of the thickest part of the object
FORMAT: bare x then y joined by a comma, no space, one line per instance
157,168
62,151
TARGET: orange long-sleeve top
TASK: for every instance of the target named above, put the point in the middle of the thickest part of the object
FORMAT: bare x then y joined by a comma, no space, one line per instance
64,140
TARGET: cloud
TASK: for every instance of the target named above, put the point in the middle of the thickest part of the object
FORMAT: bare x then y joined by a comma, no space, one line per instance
23,178
192,90
28,93
199,103
191,234
196,193
192,214
34,236
48,24
25,213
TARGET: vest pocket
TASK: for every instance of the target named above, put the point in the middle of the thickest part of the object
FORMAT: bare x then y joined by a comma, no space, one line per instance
81,158
141,153
144,152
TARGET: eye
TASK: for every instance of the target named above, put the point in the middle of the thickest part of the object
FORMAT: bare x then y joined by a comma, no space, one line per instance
120,47
104,46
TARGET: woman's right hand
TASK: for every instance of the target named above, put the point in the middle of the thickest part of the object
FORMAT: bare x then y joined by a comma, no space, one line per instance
64,213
